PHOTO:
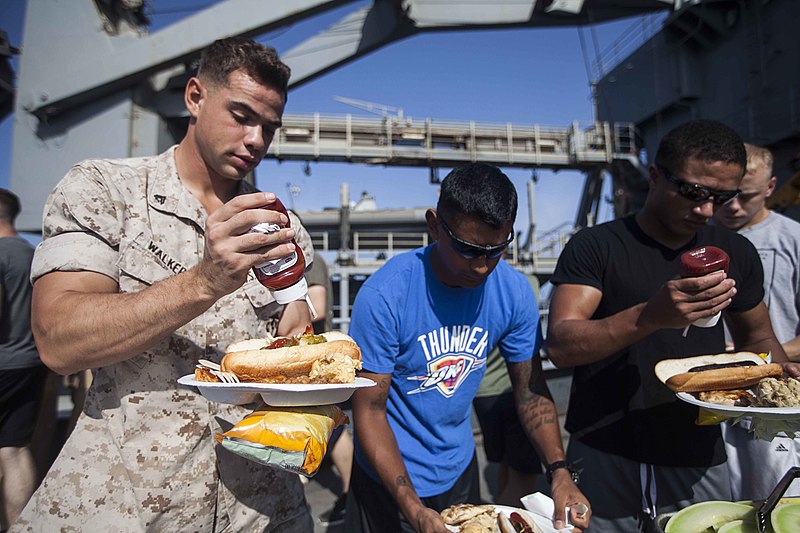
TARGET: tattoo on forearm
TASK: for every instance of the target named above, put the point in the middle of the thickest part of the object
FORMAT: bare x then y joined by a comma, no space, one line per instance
538,411
402,481
379,403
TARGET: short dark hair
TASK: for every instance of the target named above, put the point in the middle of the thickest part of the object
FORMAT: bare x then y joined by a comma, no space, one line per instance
9,206
706,140
479,191
259,61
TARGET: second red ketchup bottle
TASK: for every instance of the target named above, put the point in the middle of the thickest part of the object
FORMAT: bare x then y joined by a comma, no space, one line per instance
699,262
284,277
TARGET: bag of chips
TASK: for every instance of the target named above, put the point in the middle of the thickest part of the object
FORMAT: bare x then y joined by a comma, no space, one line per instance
289,438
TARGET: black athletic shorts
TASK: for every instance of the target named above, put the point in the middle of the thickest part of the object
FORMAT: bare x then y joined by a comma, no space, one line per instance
20,396
371,509
503,435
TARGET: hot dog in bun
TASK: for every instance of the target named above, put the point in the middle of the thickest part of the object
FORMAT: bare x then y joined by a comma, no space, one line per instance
715,372
331,357
517,523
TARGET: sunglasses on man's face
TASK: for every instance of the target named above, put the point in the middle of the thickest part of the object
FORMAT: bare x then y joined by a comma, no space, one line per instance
699,193
469,250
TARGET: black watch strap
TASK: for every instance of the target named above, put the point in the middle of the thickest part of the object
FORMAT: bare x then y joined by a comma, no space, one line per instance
552,467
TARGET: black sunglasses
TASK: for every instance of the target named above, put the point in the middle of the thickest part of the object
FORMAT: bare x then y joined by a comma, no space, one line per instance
469,250
699,193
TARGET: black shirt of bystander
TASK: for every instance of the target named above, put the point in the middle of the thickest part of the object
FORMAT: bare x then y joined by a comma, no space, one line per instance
17,347
617,405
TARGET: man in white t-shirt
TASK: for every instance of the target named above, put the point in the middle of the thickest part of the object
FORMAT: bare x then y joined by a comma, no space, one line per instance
757,465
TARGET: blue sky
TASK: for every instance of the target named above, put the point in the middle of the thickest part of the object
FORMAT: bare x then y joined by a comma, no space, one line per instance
523,76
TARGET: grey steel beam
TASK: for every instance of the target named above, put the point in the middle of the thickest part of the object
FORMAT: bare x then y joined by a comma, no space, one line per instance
590,199
386,21
447,14
115,62
353,36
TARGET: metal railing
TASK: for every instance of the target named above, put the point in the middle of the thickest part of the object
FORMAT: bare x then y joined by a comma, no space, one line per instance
374,248
404,141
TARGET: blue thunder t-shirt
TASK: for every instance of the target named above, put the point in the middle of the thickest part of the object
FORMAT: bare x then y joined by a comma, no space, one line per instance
434,340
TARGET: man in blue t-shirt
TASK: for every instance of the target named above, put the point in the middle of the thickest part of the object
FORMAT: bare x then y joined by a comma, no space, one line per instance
426,322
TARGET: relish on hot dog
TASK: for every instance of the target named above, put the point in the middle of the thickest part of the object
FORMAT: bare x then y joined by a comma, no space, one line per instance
715,372
330,357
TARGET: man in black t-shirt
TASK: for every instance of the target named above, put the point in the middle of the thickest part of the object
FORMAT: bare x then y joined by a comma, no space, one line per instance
619,307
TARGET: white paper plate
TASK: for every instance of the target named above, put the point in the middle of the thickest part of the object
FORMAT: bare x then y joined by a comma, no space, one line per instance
545,524
772,413
278,395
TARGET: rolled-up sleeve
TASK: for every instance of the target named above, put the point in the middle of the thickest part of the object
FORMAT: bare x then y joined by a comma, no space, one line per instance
81,226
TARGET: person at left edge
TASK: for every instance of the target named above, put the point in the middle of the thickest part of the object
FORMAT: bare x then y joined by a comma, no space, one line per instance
426,322
22,374
146,267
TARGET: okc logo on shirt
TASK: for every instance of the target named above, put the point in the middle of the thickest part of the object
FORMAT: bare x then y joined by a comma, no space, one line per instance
447,371
446,374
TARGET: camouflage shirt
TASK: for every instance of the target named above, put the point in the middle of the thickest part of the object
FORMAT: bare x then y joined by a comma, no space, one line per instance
142,456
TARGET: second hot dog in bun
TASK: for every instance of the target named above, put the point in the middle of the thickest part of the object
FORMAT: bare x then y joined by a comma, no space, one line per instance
519,523
331,357
715,372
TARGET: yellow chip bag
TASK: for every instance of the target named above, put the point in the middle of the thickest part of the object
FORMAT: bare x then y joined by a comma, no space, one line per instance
290,438
709,418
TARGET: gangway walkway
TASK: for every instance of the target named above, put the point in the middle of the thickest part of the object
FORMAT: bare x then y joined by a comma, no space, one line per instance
402,141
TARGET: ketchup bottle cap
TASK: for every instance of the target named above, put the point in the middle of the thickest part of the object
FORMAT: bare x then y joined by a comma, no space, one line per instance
704,260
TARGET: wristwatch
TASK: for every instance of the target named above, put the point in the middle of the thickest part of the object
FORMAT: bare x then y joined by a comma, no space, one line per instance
552,467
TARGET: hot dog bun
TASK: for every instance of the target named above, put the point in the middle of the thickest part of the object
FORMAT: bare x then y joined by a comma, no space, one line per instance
332,361
249,344
505,524
667,368
723,378
676,374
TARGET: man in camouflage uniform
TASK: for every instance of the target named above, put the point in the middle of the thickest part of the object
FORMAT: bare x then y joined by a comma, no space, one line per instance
145,268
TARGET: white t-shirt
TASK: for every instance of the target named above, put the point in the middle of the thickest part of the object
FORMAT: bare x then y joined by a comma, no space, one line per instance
756,466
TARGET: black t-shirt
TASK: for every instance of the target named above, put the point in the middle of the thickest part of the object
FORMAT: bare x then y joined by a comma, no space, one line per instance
17,349
618,405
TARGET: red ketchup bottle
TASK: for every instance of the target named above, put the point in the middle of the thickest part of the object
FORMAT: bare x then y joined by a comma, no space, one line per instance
284,277
699,262
702,261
